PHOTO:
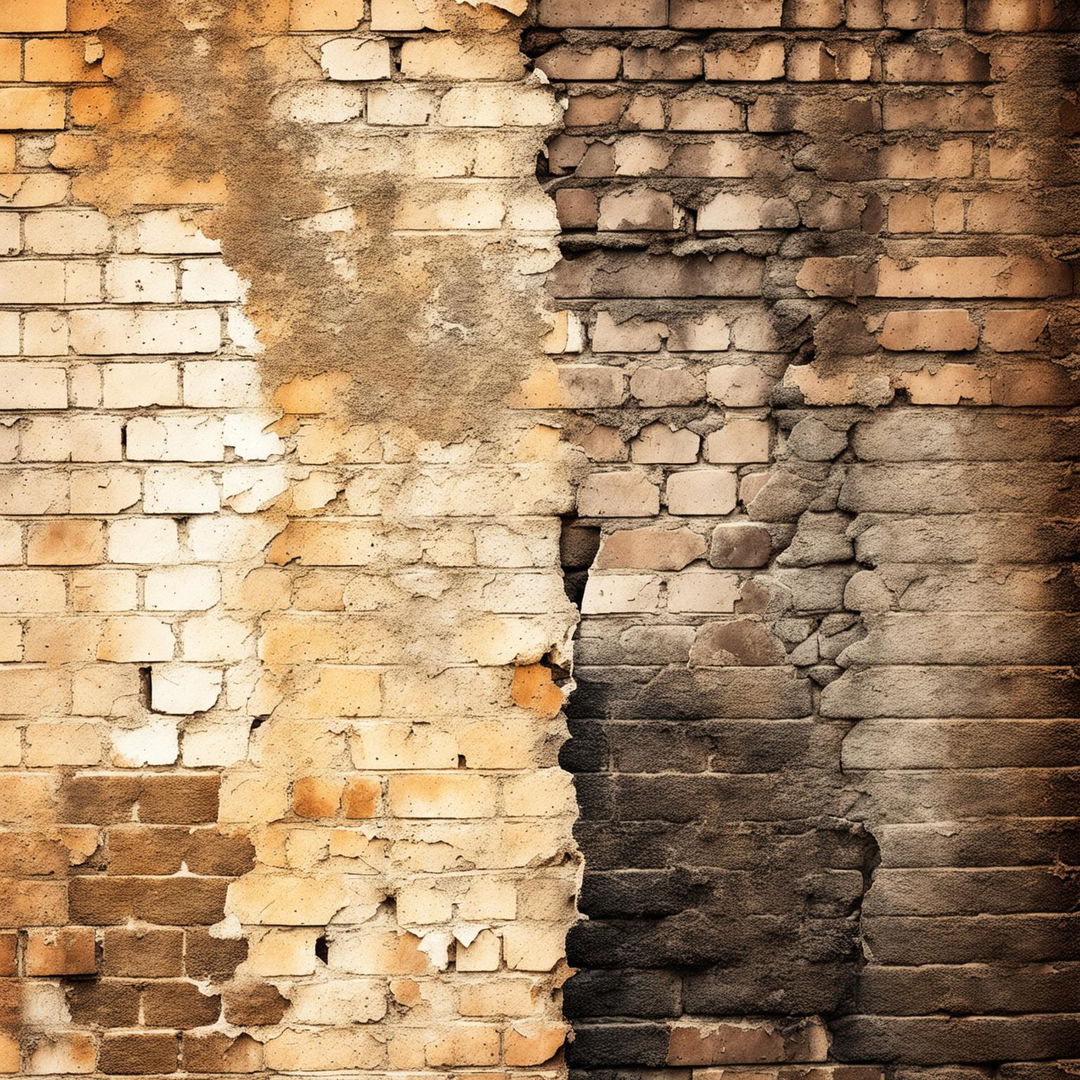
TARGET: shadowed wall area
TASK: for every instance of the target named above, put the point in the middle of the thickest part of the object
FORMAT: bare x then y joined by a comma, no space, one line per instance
825,729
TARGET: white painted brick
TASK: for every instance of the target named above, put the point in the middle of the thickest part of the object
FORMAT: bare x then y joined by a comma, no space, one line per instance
348,59
234,384
32,386
210,281
104,491
179,490
136,385
143,541
174,438
122,333
140,281
67,232
165,232
45,333
182,689
182,588
9,333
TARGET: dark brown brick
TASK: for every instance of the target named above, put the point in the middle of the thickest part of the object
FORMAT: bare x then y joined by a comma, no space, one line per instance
143,952
106,1003
141,1054
250,1004
172,1004
181,901
207,957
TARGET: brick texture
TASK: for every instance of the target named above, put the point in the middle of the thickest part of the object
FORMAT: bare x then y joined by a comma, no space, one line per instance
353,354
822,730
281,661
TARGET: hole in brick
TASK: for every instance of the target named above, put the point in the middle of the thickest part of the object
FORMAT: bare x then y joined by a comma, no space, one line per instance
145,686
578,545
258,722
322,948
461,762
560,675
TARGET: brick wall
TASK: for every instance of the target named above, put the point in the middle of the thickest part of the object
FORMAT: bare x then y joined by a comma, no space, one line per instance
825,763
315,452
283,614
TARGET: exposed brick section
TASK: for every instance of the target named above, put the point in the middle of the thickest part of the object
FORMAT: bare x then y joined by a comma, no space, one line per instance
818,277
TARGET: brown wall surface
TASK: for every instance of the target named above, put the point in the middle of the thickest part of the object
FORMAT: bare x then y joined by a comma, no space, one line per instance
415,410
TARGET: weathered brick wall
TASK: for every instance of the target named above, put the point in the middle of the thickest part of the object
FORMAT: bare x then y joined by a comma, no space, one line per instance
282,601
820,252
290,493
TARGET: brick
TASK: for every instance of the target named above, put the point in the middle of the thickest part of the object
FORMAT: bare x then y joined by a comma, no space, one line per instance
70,951
165,901
701,492
62,1053
739,442
618,494
754,63
104,1002
954,63
66,543
61,60
441,796
31,108
143,952
31,903
139,1053
723,15
325,14
962,277
699,591
658,443
630,13
649,549
929,330
1014,330
120,333
216,1052
349,60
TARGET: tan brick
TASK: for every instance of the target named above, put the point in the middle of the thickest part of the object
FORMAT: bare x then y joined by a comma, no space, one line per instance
701,491
65,543
739,442
630,13
60,60
446,795
25,108
33,16
618,494
1014,330
929,330
972,276
70,951
325,14
755,63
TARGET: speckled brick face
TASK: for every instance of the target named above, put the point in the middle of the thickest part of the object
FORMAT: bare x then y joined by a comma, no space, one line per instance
348,459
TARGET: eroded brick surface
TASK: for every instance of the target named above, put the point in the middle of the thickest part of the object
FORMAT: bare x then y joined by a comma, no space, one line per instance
283,627
823,729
